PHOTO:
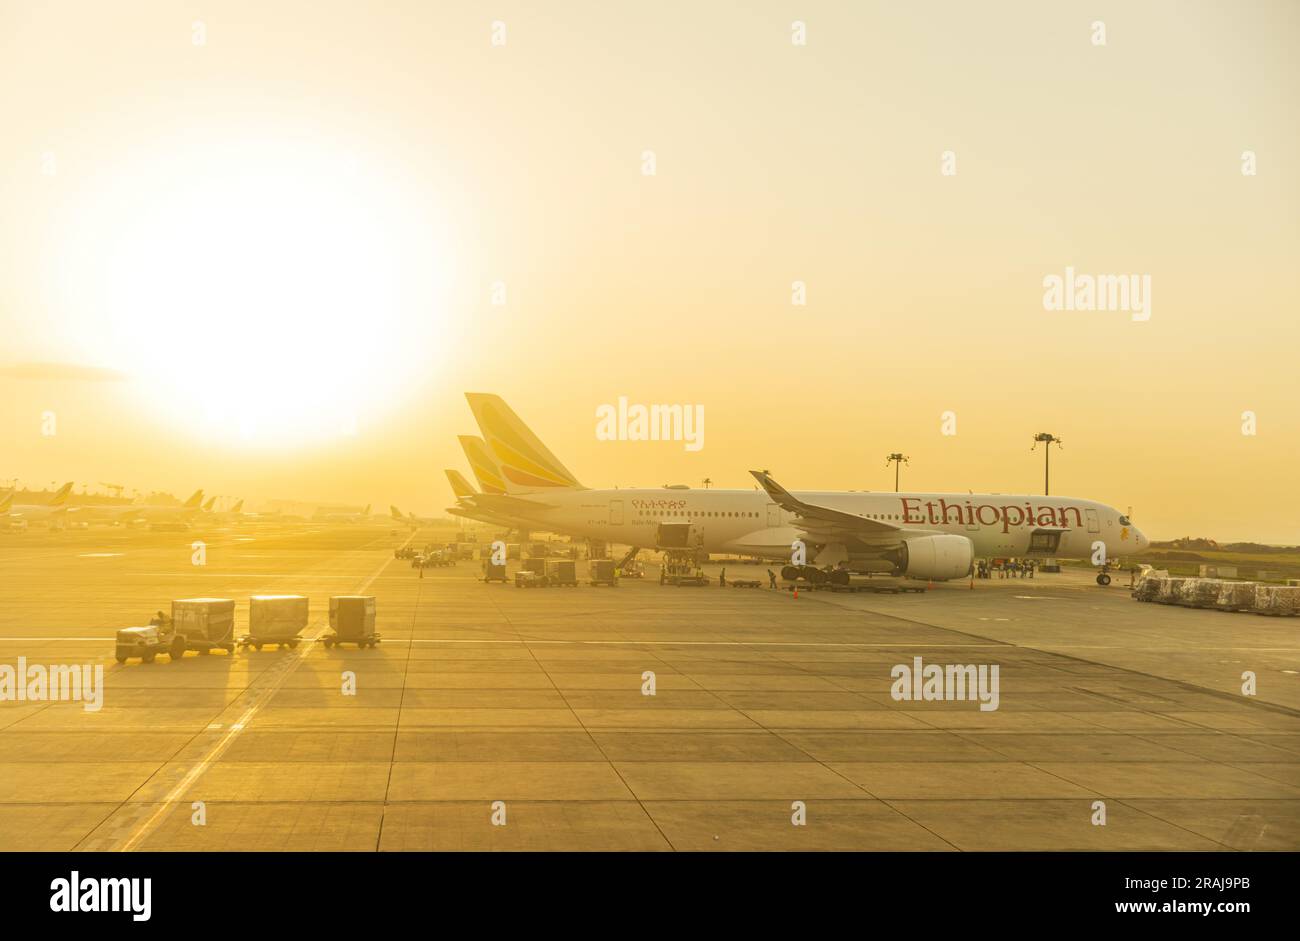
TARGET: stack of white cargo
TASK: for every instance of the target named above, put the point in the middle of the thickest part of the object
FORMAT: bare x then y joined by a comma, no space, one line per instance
1277,600
1236,596
1200,592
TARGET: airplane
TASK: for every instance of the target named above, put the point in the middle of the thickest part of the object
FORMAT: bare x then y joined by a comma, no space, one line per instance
466,508
482,464
51,512
324,515
138,513
935,536
410,519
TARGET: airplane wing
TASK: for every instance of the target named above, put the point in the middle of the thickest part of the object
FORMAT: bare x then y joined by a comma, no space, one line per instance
826,524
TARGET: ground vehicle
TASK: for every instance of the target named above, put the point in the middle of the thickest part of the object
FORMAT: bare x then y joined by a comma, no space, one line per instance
601,572
562,572
527,579
634,568
200,624
275,619
352,618
147,642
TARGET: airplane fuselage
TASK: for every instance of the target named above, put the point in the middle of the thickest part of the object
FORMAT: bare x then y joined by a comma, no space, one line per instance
748,522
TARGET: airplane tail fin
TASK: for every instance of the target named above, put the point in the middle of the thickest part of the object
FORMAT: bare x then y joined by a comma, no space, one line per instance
482,464
366,511
195,500
7,502
395,513
238,507
61,495
460,487
526,465
207,507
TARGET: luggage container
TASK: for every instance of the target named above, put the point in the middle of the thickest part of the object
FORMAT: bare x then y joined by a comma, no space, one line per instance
275,619
352,621
494,573
205,623
526,579
562,572
536,566
601,572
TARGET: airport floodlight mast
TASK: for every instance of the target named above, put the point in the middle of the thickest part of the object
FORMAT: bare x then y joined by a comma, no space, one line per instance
898,459
707,481
1047,439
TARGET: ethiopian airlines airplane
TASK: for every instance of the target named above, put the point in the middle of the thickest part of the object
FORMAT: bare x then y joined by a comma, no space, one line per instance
920,535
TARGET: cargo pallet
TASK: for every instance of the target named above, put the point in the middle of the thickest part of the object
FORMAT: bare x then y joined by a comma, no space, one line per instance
248,640
331,639
745,583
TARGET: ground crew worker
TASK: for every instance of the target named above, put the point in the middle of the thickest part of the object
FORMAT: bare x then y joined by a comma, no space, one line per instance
771,578
722,578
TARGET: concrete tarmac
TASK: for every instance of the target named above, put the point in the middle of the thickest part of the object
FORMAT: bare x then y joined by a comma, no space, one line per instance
492,717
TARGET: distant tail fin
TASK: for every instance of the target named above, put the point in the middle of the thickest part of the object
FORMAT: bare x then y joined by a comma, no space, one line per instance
238,507
7,502
61,495
366,511
207,507
395,513
526,465
460,487
194,501
482,464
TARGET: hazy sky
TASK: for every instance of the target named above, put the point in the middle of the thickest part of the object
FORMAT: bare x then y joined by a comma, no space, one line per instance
282,223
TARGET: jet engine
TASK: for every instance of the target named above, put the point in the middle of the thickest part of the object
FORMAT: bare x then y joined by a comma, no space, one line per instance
940,557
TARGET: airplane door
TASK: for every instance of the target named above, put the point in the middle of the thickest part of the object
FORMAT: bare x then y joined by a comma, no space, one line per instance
616,512
773,515
1094,525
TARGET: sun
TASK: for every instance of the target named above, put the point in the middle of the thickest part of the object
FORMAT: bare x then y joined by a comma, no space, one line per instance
271,294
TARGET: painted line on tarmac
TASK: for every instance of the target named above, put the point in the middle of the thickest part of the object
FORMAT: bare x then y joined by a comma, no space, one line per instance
796,643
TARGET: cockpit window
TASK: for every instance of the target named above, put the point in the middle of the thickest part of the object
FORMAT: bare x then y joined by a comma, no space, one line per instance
1125,521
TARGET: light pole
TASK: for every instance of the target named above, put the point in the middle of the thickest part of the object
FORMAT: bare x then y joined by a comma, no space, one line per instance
898,460
1047,439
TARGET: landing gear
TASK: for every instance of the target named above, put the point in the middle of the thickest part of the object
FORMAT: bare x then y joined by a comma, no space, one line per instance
1103,579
